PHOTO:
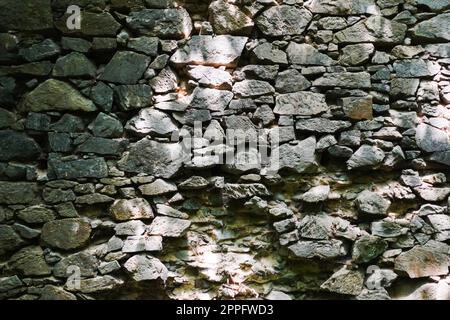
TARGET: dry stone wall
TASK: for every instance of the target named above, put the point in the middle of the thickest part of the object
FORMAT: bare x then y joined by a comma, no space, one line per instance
101,197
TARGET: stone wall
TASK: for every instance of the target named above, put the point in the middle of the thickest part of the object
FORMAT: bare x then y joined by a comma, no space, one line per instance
99,200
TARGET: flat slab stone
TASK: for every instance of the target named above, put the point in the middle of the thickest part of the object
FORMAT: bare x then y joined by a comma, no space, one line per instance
422,262
19,193
145,267
283,20
66,234
301,103
168,227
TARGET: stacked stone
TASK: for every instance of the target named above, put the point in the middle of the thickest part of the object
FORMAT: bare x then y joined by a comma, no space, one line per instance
94,186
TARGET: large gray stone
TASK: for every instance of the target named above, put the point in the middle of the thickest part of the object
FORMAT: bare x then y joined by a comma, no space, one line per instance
137,208
135,96
125,67
29,261
81,168
302,103
93,24
367,248
161,23
168,227
436,28
154,158
74,65
344,281
321,125
18,193
371,203
66,234
431,139
291,80
151,121
252,88
366,156
376,29
283,21
306,54
300,158
422,262
355,54
211,51
325,249
227,18
211,99
415,68
55,95
87,263
145,267
357,80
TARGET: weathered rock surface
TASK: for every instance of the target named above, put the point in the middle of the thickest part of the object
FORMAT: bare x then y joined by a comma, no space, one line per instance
66,234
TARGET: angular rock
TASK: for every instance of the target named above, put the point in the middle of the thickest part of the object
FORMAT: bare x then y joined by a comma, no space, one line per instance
142,243
415,68
302,103
9,239
102,146
97,284
357,80
168,227
158,187
252,88
431,139
356,54
306,54
211,99
138,208
18,193
211,51
433,194
154,158
268,53
17,146
194,183
371,203
130,228
344,281
85,261
375,29
404,87
151,121
422,262
211,77
55,95
242,191
327,249
300,158
165,81
358,108
291,81
227,18
29,261
106,126
66,234
145,45
435,28
387,229
82,168
92,199
50,292
144,267
366,156
125,67
36,214
367,248
283,21
40,51
161,23
316,194
74,65
321,125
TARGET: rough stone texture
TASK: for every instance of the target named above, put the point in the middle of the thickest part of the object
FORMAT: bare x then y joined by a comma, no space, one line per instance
225,149
163,23
283,20
66,234
55,95
211,51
